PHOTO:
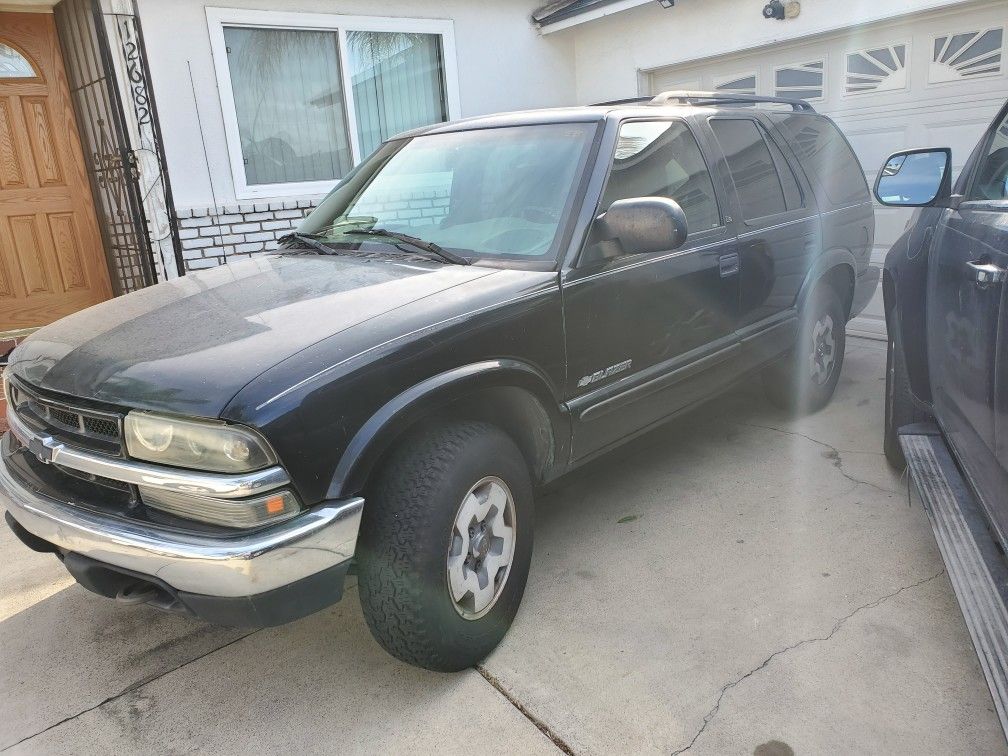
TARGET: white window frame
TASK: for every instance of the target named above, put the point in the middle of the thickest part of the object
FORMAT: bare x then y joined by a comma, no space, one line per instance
980,30
719,81
218,18
811,59
907,83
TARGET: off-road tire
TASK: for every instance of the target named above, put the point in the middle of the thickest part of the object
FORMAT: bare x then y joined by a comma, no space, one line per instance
900,409
789,382
403,545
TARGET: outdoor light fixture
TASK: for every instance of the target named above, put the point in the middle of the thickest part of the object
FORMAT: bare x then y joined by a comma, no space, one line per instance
780,10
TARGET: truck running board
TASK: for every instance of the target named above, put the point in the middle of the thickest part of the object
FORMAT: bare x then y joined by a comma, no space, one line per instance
976,566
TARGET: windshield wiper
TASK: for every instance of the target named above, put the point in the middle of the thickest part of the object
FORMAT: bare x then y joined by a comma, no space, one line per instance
310,240
437,251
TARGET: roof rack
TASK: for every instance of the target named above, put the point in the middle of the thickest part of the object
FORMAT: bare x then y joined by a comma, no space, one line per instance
724,98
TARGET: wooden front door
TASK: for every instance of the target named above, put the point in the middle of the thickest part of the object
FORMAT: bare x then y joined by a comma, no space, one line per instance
51,257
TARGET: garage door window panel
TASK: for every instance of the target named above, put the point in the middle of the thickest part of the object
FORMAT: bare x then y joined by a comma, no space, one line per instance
878,69
804,81
966,55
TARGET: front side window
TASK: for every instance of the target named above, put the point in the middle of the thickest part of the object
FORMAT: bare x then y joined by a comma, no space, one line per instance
662,159
303,103
485,194
991,179
752,167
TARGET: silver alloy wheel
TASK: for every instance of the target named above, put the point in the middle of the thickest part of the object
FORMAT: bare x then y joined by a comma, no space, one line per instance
823,350
481,547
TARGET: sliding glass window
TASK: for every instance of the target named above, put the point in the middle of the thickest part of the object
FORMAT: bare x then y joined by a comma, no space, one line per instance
398,83
306,96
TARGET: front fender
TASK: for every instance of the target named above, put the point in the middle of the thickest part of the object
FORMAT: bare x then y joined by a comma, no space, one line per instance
380,431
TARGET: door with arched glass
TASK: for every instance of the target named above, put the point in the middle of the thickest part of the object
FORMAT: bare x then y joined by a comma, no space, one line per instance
52,261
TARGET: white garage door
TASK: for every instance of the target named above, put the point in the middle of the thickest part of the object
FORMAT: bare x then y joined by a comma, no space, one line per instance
928,80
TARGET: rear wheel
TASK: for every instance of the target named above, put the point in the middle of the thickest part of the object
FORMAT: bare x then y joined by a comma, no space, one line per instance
805,379
445,546
900,409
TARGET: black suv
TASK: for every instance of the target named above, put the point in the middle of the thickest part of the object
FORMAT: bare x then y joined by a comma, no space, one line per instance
946,300
477,309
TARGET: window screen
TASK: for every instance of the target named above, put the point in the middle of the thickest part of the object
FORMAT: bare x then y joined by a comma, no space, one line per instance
752,167
662,159
826,157
289,102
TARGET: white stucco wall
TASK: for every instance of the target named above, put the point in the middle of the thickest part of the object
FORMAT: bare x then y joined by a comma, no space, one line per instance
502,60
610,52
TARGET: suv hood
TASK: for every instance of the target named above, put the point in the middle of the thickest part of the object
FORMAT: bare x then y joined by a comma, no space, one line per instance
189,345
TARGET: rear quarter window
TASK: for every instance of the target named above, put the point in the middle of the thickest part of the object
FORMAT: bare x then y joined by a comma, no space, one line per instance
826,157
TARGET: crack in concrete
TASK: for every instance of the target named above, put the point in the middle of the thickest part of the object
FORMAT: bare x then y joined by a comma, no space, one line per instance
542,726
835,454
836,626
126,691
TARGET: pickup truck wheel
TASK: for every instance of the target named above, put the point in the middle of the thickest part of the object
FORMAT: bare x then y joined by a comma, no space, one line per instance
805,379
445,545
900,409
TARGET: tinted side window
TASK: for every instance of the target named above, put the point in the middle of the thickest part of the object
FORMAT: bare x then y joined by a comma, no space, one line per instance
826,156
991,178
752,167
662,159
792,194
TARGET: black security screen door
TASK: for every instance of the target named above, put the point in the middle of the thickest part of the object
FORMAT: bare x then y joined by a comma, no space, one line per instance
121,146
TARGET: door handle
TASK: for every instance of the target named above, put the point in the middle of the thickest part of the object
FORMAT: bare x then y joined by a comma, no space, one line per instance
985,273
728,265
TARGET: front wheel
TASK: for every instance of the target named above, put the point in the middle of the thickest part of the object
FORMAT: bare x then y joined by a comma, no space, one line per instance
804,380
445,545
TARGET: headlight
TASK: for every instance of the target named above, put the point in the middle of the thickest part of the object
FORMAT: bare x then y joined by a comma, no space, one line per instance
196,444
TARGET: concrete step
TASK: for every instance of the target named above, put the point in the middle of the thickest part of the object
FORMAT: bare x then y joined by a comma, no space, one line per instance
976,565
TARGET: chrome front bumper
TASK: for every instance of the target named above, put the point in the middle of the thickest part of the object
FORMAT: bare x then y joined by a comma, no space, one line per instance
238,566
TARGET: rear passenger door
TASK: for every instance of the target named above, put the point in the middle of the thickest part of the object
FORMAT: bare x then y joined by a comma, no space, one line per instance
778,233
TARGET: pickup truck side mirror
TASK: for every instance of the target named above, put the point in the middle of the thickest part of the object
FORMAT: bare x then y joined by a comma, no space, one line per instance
644,224
916,178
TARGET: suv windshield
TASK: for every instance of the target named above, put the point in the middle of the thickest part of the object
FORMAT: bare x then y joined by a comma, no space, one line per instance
485,194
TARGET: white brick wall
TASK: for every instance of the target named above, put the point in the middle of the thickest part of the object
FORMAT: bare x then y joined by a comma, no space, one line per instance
215,235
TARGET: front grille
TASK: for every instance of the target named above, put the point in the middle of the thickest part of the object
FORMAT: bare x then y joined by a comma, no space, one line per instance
81,427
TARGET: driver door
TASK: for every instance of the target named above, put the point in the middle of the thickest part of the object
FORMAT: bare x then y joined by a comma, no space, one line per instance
641,328
967,322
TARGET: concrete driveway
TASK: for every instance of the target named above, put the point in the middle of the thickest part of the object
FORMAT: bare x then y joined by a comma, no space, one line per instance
736,583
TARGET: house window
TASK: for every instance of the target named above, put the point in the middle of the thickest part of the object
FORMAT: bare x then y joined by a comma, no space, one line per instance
742,84
970,55
803,80
305,96
876,70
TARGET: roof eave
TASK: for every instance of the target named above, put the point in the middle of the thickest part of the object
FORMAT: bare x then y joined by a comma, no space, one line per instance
565,17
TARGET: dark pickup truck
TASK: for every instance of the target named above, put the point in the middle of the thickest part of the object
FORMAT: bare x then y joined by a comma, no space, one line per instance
477,309
946,301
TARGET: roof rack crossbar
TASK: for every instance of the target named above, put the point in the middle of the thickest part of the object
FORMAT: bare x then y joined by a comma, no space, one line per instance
718,98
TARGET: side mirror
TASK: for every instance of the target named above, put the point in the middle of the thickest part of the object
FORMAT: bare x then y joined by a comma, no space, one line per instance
644,224
916,178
